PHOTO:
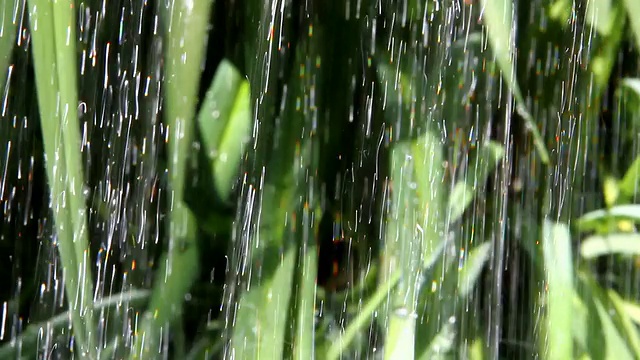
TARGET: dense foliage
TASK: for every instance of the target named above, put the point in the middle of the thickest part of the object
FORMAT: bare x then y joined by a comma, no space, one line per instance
320,179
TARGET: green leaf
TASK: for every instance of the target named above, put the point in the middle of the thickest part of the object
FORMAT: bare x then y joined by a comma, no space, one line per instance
472,268
629,183
600,15
633,9
8,26
186,27
625,325
599,335
29,338
443,342
556,247
598,245
633,310
224,121
485,159
498,20
261,321
595,218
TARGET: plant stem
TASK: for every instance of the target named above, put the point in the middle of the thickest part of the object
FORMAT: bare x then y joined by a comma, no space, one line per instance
186,31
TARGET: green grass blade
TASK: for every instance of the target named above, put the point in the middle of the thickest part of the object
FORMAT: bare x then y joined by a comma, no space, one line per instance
29,338
64,33
498,20
57,101
598,245
364,316
186,34
443,342
303,345
485,159
9,16
625,325
556,246
599,331
261,322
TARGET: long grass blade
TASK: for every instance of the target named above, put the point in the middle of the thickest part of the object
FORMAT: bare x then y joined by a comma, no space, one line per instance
54,64
498,16
9,12
556,246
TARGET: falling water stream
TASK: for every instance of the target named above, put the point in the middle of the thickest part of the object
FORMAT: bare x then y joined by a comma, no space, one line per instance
337,179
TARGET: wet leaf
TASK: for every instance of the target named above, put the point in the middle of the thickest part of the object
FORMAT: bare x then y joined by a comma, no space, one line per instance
498,20
224,121
556,246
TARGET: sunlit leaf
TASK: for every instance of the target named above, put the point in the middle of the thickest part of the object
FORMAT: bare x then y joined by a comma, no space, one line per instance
556,245
601,245
225,123
633,9
625,325
629,183
594,219
599,15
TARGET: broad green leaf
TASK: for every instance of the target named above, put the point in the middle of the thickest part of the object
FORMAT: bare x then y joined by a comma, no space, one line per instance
633,10
225,123
234,139
601,245
556,247
595,218
485,159
498,18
